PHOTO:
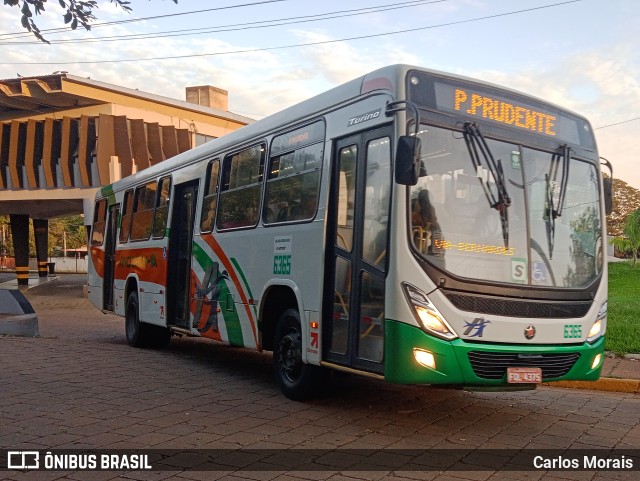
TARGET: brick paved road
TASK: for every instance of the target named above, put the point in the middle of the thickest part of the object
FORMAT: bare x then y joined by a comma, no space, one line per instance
80,386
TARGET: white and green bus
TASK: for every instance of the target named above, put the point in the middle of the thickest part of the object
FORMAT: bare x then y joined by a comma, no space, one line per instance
409,225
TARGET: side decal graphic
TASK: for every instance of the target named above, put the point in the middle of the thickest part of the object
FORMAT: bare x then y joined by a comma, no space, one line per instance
209,290
233,276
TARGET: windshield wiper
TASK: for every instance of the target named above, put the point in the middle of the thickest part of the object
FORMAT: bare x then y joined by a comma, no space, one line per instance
478,151
553,209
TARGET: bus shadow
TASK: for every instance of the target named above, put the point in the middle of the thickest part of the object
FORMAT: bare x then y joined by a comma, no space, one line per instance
249,370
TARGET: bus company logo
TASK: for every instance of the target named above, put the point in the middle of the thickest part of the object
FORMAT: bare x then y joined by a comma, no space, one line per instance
374,114
530,332
476,327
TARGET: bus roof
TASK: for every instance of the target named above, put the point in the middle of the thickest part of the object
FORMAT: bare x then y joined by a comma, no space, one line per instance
387,78
381,79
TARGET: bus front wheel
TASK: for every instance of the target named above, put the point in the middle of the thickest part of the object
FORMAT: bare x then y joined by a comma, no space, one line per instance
296,379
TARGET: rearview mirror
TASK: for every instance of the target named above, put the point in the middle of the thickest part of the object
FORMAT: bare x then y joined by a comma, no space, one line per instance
607,185
408,160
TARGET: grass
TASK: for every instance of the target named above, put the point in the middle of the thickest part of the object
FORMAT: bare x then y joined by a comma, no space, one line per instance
623,319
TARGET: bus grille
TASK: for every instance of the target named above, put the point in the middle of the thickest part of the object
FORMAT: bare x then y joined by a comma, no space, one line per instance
513,308
493,365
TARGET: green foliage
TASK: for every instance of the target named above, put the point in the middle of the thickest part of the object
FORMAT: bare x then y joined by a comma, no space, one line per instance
71,227
76,12
623,326
625,200
629,242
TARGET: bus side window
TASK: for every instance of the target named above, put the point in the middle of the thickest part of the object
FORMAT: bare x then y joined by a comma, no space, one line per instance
127,214
143,211
241,188
293,182
99,222
162,208
210,199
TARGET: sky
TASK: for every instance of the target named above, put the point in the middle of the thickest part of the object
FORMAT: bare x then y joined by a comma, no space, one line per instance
583,54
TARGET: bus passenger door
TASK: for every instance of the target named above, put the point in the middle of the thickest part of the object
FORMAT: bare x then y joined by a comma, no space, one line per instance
357,260
110,257
179,255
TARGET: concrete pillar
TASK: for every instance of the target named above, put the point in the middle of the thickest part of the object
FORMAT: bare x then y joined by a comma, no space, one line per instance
41,231
20,235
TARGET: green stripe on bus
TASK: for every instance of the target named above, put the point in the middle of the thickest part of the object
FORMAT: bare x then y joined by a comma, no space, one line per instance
246,284
107,191
230,317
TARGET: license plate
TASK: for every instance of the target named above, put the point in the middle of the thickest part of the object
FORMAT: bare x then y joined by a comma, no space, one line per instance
527,375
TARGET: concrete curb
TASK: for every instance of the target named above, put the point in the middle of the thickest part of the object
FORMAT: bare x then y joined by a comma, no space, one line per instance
603,384
25,325
17,317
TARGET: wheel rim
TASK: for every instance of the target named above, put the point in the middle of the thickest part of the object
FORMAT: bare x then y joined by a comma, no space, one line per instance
290,357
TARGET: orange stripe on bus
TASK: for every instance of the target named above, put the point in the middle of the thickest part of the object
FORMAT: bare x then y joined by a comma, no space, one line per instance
211,241
97,259
147,263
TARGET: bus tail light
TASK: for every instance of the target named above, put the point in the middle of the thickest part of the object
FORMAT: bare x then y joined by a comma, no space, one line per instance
598,328
427,314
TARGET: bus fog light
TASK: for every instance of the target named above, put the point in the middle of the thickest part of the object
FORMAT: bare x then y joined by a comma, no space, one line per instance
596,361
424,358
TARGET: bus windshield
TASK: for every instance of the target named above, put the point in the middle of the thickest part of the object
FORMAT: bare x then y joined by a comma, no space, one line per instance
457,225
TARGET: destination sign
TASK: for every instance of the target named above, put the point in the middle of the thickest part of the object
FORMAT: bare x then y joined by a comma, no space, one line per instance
500,110
482,103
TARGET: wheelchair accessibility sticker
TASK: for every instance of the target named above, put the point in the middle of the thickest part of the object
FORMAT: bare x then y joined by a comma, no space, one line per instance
539,273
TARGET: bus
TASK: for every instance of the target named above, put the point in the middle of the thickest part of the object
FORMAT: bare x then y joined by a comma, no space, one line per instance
410,225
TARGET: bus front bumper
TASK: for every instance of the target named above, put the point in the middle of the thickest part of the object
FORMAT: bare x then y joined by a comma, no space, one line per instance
469,364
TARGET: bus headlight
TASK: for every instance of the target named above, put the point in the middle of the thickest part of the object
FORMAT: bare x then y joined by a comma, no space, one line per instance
427,314
599,327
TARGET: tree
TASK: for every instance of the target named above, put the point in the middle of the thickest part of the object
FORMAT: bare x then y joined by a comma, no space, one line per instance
77,12
69,227
630,241
626,199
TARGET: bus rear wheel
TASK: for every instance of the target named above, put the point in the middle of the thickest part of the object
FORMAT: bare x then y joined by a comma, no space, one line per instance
296,379
141,334
135,330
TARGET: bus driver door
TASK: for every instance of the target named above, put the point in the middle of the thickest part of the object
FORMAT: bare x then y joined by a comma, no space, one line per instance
357,261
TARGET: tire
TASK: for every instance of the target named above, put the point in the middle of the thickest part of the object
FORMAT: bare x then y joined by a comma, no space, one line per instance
141,334
135,330
296,380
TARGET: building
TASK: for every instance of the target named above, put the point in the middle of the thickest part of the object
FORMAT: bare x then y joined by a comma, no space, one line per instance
62,137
